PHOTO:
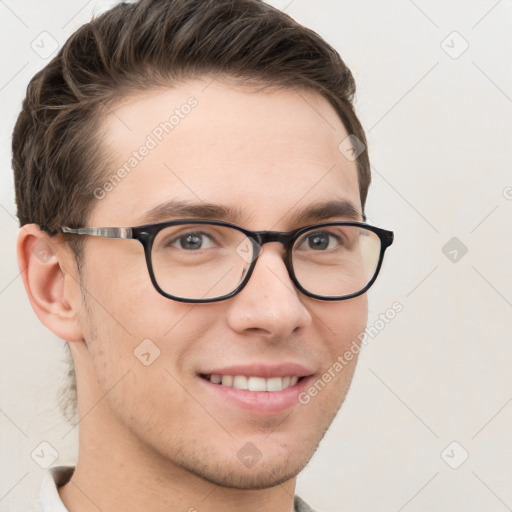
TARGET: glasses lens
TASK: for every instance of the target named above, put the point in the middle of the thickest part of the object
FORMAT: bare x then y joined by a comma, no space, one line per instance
200,261
333,261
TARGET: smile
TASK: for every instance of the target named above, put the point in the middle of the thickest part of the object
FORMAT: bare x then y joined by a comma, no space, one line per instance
251,383
256,388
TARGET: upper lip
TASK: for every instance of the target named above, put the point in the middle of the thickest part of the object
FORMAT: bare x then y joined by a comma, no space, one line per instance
285,369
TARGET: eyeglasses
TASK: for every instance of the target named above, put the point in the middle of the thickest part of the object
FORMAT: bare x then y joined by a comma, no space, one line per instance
201,261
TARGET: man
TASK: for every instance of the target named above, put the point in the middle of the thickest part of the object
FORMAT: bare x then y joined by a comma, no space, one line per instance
195,175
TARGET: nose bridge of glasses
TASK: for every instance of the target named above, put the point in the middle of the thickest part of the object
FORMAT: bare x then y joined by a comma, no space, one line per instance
265,237
260,238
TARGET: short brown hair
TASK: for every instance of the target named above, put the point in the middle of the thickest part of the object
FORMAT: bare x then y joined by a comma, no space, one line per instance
57,154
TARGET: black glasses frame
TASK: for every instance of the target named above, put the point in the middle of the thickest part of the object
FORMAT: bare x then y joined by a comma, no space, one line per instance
146,235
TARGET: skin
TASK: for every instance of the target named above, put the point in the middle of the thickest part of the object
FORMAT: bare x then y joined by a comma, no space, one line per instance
150,439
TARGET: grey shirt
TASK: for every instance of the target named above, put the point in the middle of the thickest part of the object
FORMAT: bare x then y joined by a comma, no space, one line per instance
301,506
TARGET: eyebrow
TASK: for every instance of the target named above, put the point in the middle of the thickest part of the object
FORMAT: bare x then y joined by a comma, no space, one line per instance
317,212
176,208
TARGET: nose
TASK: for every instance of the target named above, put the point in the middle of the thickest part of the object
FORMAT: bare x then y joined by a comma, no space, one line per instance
269,304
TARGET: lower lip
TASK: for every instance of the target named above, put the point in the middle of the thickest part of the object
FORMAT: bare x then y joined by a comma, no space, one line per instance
264,403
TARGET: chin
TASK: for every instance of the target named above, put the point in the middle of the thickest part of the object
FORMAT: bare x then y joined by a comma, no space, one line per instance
271,464
261,476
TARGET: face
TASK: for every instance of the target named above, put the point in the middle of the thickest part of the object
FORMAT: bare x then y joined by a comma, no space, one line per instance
263,156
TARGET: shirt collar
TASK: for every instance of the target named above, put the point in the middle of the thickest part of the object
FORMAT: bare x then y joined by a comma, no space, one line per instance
49,498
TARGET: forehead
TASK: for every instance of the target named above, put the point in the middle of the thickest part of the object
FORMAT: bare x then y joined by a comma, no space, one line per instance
263,153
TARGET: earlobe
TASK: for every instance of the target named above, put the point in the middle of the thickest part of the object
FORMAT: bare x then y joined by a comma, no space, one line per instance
51,281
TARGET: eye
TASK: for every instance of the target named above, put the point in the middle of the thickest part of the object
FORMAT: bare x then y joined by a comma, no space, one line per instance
192,241
321,241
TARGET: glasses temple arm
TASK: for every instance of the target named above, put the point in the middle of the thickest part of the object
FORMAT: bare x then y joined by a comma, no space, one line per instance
102,232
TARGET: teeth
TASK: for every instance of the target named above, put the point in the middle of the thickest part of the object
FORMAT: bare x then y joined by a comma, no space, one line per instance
239,382
275,384
254,383
227,380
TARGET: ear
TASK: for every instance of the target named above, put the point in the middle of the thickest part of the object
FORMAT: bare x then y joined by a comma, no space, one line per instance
51,280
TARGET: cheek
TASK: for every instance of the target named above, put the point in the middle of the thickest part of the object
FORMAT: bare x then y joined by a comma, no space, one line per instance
337,326
131,327
122,310
342,323
141,358
121,294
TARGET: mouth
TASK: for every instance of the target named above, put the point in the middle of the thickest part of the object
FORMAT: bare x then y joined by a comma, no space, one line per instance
253,383
260,390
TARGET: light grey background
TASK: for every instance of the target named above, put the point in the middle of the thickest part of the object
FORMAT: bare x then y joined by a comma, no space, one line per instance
439,126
